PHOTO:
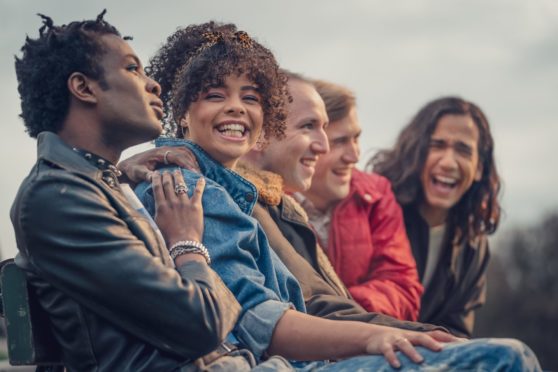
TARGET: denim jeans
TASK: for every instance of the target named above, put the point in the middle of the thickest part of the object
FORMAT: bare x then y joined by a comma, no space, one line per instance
488,354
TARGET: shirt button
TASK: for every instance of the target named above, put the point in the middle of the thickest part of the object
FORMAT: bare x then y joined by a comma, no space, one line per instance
249,197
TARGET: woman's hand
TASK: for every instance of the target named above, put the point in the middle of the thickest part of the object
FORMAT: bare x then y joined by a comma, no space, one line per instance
389,340
141,167
178,216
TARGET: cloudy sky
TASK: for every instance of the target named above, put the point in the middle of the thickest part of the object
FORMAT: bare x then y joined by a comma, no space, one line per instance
395,55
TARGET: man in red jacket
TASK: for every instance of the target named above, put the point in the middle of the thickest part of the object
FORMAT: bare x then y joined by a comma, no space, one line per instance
357,219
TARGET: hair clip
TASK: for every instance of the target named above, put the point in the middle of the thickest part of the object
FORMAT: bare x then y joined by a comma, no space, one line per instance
213,37
243,39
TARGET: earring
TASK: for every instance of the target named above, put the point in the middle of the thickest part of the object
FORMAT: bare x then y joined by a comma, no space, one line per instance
184,127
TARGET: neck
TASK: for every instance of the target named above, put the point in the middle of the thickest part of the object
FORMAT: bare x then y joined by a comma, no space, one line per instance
433,216
321,205
82,137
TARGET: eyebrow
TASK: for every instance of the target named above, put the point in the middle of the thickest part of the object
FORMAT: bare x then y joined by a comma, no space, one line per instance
134,57
250,87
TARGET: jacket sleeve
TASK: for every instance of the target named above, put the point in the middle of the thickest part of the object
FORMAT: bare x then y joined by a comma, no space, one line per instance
471,293
393,286
234,243
76,240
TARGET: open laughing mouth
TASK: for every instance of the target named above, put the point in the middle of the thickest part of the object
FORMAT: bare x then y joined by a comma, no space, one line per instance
444,183
233,130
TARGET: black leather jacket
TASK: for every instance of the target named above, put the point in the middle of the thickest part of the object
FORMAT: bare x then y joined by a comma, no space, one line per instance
115,301
458,286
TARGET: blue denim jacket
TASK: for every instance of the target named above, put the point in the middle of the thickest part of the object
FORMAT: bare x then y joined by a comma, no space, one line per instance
239,249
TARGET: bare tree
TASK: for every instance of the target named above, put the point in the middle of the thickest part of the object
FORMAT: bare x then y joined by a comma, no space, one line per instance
522,299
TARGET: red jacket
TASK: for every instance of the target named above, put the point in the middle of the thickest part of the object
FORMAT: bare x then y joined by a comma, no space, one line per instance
369,249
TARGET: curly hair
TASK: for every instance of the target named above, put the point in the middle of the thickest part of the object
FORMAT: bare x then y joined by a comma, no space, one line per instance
200,56
47,63
478,211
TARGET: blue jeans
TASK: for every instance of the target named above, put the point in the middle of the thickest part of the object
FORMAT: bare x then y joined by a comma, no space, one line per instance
489,354
483,355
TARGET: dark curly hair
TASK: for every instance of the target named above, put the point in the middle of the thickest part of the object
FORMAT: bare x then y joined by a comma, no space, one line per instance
47,63
200,56
478,211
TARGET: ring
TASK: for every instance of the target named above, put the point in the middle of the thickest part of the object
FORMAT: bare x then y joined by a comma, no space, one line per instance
165,160
180,188
399,341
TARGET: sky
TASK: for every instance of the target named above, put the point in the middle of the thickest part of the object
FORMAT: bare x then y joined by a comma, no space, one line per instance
395,56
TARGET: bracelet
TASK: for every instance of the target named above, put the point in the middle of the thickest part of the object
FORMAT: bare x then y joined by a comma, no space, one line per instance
189,246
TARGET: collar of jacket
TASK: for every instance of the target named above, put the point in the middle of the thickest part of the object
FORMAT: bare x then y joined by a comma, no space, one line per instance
268,184
52,149
365,186
242,191
271,193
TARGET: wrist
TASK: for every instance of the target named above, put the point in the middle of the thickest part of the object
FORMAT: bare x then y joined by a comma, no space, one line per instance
183,247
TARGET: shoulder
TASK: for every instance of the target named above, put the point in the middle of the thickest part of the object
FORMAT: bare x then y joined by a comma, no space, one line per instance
373,184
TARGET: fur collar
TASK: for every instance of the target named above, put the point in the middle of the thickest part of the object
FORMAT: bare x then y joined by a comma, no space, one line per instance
268,184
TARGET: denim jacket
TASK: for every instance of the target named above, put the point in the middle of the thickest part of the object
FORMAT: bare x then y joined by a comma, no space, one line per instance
239,249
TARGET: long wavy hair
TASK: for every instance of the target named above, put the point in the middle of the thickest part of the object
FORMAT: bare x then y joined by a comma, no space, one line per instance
478,211
200,56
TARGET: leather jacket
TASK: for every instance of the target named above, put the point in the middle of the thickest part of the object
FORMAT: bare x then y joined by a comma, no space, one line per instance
286,227
458,285
114,298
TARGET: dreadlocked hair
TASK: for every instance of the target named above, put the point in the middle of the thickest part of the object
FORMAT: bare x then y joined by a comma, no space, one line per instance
47,63
200,56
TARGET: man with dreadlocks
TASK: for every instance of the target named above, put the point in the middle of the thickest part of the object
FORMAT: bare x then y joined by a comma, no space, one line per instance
115,298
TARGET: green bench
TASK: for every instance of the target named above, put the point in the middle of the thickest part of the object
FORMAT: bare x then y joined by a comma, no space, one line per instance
29,335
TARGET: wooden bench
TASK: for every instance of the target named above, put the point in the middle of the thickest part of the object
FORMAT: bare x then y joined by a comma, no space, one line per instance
29,335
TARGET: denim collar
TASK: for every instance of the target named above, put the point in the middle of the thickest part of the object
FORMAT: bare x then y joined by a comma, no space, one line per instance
243,192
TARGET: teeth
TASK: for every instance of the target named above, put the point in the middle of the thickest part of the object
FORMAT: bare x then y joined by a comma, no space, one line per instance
232,127
308,162
231,133
445,180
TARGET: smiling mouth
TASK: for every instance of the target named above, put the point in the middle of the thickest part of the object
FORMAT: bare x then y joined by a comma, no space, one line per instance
444,183
236,130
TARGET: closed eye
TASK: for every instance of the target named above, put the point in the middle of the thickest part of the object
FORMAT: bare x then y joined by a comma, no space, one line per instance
252,98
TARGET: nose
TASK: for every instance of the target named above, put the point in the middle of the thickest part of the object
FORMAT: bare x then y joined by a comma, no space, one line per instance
351,154
448,159
320,143
235,106
153,87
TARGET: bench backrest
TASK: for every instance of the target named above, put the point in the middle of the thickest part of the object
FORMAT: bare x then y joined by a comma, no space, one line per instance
30,338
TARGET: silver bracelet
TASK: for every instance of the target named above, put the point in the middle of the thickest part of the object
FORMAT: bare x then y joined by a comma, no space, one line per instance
189,246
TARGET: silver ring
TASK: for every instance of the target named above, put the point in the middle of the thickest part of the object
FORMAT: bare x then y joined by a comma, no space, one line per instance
181,188
399,341
165,160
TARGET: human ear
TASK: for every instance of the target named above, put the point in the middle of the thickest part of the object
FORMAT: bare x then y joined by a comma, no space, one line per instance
79,86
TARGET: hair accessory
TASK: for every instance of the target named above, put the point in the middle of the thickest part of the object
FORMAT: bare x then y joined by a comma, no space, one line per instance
243,39
213,37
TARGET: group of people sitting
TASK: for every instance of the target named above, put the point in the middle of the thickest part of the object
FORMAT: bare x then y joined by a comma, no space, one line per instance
251,242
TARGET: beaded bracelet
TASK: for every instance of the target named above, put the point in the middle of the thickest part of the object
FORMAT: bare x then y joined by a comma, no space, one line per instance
189,246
